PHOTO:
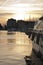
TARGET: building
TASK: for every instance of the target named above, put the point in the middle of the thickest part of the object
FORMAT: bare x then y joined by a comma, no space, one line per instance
39,24
38,39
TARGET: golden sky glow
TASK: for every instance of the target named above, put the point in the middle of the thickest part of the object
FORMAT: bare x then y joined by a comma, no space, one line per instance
20,9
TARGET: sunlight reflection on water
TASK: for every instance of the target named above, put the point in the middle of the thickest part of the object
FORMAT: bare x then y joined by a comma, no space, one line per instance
13,47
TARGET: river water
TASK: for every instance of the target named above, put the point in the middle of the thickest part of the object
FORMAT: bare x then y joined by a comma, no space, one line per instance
14,46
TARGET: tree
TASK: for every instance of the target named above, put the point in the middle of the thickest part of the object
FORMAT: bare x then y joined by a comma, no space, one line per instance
1,27
11,24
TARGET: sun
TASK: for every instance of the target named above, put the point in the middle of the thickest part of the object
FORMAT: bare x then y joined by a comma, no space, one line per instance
19,16
21,12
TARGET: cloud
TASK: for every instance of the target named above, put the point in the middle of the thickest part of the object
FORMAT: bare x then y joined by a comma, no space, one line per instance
5,14
11,2
32,1
12,5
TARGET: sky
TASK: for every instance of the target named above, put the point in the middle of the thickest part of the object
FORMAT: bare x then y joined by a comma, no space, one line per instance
10,2
20,9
